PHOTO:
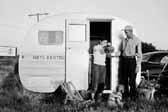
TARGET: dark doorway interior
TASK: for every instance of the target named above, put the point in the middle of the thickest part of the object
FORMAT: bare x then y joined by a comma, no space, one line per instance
101,31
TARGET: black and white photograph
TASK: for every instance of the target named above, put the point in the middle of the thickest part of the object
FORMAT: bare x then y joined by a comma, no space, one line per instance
83,56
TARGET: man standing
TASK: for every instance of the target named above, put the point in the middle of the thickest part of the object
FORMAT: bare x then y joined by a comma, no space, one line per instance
131,55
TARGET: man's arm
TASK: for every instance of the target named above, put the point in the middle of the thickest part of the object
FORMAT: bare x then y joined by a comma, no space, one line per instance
120,49
139,55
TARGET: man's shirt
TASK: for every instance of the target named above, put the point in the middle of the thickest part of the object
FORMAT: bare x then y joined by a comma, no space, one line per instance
132,47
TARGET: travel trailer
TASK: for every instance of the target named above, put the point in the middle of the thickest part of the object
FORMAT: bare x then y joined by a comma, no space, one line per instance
57,50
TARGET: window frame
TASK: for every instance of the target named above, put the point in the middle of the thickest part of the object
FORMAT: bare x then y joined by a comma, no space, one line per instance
50,44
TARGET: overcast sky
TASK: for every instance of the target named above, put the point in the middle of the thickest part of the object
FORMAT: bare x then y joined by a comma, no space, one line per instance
150,17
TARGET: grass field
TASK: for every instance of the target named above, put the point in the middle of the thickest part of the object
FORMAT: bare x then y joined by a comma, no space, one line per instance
13,100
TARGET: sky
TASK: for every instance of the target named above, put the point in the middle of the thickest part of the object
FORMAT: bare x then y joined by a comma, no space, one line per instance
149,17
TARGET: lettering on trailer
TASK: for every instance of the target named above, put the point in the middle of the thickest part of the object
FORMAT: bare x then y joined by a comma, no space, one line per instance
43,57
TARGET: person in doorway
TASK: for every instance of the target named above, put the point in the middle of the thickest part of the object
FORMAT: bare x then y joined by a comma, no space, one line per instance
99,68
131,56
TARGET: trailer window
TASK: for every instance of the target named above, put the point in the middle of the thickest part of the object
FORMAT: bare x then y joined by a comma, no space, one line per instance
50,37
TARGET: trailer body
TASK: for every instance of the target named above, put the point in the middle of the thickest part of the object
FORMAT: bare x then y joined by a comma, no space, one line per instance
56,50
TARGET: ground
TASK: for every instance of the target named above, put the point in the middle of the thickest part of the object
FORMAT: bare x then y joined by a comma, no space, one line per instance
12,98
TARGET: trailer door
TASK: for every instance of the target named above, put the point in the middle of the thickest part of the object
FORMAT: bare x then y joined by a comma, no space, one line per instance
77,56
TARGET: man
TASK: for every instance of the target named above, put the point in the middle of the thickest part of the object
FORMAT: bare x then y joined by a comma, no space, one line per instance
131,55
99,68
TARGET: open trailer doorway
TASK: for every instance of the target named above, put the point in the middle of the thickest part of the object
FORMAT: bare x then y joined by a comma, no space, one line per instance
100,30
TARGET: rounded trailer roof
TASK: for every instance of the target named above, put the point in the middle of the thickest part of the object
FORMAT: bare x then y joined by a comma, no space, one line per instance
57,22
88,16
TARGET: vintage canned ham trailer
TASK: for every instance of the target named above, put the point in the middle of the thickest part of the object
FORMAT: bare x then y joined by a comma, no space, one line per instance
56,50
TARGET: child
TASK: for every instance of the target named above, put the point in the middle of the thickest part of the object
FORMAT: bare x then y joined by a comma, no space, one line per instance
115,98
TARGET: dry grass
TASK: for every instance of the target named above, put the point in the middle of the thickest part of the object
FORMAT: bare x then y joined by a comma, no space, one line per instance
12,99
